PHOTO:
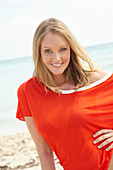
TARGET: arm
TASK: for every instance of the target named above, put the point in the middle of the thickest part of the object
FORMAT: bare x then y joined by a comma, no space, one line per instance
44,151
111,164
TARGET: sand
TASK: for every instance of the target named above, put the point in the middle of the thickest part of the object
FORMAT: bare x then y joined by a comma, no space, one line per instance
18,151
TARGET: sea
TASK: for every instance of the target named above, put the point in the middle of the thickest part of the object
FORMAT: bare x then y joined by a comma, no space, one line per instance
14,72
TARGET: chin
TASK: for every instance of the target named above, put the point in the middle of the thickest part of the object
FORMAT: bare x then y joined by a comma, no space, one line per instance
57,74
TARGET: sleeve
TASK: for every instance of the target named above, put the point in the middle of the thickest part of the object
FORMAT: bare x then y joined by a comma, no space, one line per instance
22,107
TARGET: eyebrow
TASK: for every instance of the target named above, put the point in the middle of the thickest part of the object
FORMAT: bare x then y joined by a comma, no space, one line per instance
60,46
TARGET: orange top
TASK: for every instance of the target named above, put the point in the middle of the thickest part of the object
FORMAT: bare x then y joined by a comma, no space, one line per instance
68,122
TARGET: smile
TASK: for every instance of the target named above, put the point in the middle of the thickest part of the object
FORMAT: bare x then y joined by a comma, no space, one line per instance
57,65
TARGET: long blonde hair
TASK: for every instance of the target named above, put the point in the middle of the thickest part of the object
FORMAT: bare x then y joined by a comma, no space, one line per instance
77,71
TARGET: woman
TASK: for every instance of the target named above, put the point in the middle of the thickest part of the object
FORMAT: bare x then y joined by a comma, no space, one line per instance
67,104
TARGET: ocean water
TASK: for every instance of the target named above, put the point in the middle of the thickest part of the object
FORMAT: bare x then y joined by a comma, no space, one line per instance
16,71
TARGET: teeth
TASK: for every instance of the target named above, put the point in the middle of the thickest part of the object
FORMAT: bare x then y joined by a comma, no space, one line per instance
56,64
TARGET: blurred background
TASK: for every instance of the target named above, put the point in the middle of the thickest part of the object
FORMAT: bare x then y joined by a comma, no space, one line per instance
90,21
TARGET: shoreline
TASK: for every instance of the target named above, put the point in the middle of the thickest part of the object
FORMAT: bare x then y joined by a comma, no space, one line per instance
12,127
18,151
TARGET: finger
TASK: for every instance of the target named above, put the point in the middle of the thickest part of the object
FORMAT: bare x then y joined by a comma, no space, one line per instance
110,147
103,137
106,142
102,131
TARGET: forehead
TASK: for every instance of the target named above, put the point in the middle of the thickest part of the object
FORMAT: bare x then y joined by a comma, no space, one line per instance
51,39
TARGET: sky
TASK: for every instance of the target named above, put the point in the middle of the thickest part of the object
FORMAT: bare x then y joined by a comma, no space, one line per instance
91,22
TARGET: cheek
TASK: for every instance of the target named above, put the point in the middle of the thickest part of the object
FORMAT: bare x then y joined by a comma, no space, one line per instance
68,57
45,59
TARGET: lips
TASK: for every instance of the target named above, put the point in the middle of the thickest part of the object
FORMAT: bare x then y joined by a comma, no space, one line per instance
57,64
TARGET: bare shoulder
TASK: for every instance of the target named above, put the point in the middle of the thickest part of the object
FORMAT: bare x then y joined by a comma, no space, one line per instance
95,76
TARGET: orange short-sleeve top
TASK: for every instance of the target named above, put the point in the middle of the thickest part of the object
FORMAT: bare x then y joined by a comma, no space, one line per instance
68,121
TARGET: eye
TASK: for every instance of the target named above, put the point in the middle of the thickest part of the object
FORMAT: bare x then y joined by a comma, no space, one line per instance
63,49
48,51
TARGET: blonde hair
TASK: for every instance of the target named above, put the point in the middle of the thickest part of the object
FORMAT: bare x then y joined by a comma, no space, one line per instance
77,71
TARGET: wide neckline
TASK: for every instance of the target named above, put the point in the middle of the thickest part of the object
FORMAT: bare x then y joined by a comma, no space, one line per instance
87,87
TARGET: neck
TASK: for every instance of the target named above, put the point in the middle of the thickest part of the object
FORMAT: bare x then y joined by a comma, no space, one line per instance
59,79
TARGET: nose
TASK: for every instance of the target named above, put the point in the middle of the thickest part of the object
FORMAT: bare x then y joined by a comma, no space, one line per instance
57,56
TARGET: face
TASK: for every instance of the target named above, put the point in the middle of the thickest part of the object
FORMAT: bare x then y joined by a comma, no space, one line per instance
55,53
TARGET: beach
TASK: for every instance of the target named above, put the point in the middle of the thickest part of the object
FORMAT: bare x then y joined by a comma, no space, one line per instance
18,151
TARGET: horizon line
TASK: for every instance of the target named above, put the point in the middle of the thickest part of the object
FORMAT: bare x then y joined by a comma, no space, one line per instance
90,46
